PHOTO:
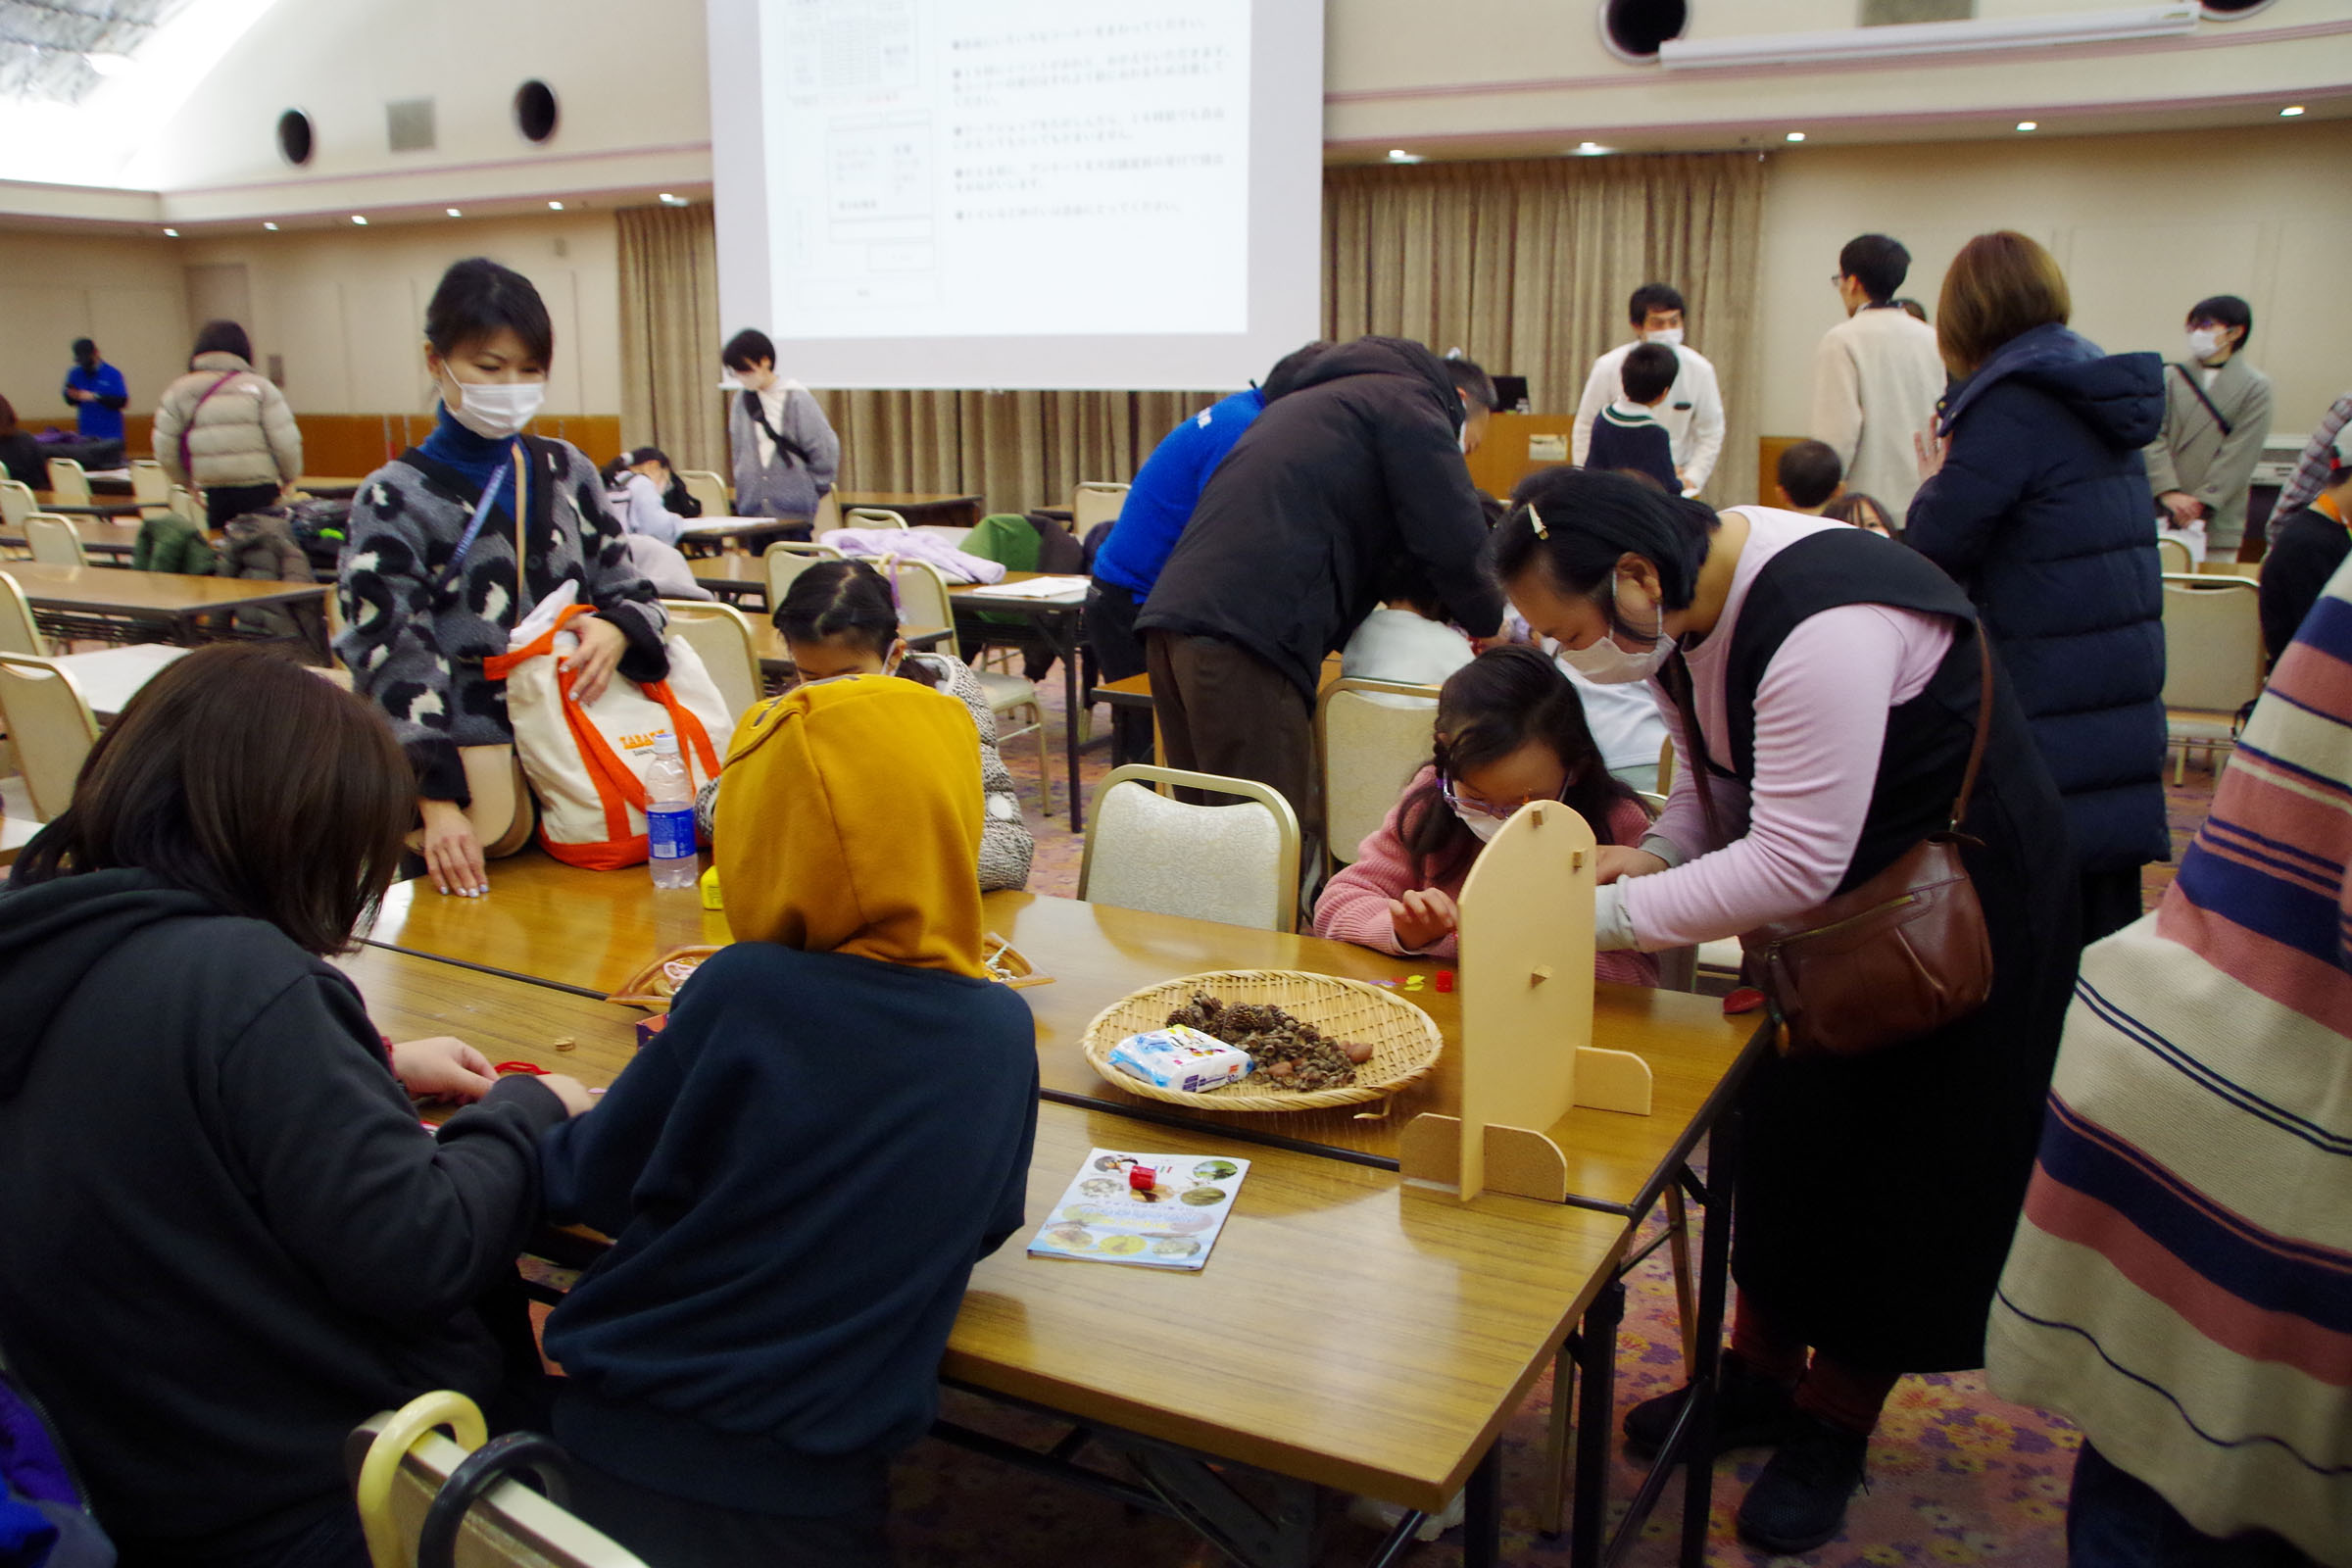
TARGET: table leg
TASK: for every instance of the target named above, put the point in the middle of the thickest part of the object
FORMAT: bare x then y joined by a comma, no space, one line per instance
1597,1410
1069,636
1714,1277
1481,1513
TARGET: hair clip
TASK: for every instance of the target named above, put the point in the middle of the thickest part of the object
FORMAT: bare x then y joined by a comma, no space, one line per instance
1534,520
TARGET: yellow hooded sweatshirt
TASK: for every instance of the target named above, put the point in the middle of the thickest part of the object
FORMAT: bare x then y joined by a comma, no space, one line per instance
851,823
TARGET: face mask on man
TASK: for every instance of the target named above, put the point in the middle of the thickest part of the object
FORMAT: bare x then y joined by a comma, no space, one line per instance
2204,342
1671,336
497,410
1605,662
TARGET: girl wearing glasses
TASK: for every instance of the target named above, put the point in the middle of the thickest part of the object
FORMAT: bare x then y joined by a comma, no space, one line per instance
1510,731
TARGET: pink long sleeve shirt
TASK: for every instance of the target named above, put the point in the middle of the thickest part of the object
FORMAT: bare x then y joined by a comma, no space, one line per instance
1354,906
1820,723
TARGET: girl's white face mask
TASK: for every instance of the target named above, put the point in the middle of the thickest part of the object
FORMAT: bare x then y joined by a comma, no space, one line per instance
497,410
1482,826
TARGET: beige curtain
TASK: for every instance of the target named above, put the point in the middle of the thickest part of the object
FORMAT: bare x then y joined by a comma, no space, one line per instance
669,335
1526,267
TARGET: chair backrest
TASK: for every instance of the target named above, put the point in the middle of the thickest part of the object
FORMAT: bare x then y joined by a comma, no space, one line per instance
2213,654
923,604
1371,736
723,636
872,517
183,502
707,488
2173,557
1236,864
20,633
828,516
69,485
51,726
803,547
149,483
15,503
54,541
784,565
509,1524
1095,501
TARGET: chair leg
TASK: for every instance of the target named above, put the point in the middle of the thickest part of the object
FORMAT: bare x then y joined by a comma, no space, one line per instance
1556,1457
1686,1289
1045,762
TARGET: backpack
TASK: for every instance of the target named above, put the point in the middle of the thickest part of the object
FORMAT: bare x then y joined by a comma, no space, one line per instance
321,527
45,1519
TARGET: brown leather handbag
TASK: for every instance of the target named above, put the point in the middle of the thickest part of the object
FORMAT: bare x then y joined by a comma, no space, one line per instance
1903,954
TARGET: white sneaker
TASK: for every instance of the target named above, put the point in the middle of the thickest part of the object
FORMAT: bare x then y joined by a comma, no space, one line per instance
1373,1514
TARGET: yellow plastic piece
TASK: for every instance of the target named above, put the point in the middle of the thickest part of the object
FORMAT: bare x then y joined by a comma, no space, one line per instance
444,1407
710,889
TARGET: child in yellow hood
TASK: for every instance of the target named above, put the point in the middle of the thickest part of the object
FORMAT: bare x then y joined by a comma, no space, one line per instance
799,1171
838,619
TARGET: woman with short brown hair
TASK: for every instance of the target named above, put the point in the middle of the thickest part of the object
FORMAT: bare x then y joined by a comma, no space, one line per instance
2036,500
228,1242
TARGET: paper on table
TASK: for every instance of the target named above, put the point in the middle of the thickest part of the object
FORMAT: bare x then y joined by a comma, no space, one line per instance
1103,1219
1039,588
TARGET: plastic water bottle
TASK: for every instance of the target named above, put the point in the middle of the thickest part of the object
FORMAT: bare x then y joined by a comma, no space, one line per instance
669,816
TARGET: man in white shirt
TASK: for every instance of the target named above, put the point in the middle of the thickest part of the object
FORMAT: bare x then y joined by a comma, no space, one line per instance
1693,411
1877,375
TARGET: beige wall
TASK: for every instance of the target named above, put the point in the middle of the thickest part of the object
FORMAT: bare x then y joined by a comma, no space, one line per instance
346,307
127,293
2143,225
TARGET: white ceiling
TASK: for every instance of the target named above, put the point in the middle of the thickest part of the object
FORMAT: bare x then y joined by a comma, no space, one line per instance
45,44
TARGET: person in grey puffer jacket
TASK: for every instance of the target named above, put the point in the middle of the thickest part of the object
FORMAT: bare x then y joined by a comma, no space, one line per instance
838,619
786,453
224,431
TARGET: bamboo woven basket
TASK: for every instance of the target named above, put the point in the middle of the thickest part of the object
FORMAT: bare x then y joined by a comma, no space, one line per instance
1404,1039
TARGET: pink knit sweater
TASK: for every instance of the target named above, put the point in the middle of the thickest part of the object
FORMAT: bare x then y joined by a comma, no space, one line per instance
1354,906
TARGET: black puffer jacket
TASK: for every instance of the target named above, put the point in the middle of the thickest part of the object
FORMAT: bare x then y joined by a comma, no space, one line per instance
2042,513
1352,465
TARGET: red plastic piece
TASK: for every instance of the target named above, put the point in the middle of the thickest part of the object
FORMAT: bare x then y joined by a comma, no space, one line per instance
1748,999
532,1068
1445,980
1142,1178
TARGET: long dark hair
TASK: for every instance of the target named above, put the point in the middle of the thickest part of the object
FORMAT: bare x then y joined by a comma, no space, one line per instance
1580,522
852,601
243,777
1487,710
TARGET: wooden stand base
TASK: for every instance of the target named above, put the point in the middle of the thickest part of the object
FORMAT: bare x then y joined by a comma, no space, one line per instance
1520,1161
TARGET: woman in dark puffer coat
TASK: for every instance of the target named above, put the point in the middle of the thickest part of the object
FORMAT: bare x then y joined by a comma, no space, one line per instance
2040,509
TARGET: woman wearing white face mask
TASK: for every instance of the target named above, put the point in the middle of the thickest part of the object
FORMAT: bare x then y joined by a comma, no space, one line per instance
455,540
1835,677
1510,729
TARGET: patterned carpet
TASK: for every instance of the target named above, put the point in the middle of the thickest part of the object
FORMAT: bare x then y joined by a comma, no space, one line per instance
1956,1476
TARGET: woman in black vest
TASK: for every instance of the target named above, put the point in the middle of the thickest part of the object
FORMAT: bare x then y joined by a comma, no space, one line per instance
1836,681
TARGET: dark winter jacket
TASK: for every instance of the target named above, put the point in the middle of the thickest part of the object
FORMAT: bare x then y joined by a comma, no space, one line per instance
2042,513
228,1241
1297,528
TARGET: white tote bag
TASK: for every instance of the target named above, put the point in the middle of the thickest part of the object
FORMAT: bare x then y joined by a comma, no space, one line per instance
587,764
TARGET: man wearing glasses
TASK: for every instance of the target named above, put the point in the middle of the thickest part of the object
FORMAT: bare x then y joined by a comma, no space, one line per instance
1876,376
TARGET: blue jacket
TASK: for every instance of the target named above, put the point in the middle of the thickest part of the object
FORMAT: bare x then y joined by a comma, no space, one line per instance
2042,513
797,1175
1159,503
100,418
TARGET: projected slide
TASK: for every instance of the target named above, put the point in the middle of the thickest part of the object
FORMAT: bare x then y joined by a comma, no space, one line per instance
933,153
1001,193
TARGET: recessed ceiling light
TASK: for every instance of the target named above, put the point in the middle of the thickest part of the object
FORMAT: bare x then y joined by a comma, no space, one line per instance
2029,125
170,233
1592,149
669,197
109,65
1797,135
555,207
357,218
2291,111
1398,155
271,227
454,212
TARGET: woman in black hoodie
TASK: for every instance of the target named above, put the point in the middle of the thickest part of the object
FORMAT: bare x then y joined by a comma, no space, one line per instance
227,1240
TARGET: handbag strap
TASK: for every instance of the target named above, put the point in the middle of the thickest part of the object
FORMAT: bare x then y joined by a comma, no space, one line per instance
757,410
188,429
2191,382
473,528
1976,746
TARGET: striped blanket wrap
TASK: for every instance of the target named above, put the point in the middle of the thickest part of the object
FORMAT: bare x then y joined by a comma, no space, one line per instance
2180,1285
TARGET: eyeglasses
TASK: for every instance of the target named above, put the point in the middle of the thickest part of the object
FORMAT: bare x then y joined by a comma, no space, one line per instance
1477,806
